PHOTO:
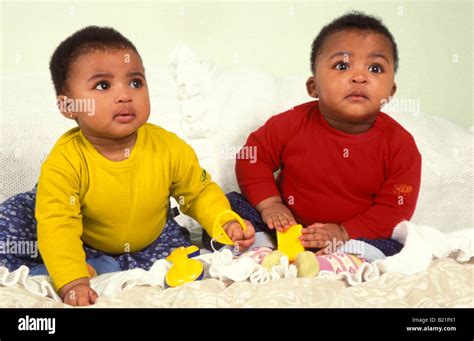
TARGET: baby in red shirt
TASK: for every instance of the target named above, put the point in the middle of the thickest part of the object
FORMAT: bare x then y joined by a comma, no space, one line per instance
347,170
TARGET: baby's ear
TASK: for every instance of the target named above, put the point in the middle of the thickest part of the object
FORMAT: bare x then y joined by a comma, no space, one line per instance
61,102
394,89
311,87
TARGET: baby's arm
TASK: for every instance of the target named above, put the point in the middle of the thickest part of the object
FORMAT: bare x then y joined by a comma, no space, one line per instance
255,175
59,217
200,197
396,200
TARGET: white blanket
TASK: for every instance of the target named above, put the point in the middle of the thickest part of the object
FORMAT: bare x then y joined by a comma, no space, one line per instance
422,244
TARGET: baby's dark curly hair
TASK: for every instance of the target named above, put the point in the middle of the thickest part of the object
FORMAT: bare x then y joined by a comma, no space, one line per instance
88,39
354,20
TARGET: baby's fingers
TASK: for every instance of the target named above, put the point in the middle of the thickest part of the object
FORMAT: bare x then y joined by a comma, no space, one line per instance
311,244
314,240
285,222
269,222
313,228
250,231
92,296
292,221
318,233
277,223
245,243
83,300
236,233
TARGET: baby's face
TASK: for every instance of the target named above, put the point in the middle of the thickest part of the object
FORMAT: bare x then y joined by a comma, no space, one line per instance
354,74
115,81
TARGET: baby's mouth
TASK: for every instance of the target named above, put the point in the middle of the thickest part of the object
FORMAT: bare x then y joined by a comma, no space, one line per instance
357,96
124,116
124,112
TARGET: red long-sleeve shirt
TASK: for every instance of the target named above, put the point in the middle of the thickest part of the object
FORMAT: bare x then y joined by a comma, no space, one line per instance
367,182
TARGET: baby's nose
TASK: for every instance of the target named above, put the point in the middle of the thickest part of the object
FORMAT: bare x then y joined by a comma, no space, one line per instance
123,97
358,77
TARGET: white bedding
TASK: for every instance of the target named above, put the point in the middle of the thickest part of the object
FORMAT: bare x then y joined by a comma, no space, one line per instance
214,110
445,283
421,245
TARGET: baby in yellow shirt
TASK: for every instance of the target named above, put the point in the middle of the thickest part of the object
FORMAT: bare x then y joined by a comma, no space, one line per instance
105,187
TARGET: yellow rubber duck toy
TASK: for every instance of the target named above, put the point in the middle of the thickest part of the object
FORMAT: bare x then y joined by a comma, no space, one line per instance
184,269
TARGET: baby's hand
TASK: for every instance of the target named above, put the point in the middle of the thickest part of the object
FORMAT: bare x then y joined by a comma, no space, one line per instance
78,293
243,238
278,216
322,236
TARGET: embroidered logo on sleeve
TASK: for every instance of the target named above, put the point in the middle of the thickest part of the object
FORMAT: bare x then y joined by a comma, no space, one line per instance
205,178
402,189
402,192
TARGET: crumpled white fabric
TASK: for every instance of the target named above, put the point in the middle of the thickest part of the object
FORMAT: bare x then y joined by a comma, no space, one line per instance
111,283
106,284
40,285
422,244
223,266
282,270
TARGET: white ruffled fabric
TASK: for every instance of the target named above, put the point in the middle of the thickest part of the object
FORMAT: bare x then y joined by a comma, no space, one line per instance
422,243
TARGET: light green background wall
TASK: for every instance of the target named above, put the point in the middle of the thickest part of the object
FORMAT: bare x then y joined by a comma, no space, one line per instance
435,38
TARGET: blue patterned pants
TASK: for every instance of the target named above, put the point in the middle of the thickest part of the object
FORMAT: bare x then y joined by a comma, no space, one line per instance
18,227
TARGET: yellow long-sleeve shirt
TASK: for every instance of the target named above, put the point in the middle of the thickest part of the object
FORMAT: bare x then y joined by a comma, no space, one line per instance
116,207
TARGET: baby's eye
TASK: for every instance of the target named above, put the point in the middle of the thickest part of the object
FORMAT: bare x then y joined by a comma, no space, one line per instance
102,86
341,66
376,68
136,83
